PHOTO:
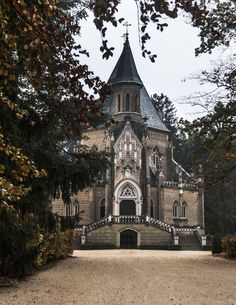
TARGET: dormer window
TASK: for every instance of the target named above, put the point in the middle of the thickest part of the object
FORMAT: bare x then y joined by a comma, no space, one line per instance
127,102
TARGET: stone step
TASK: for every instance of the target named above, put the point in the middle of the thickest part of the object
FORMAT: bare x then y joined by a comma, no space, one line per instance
189,243
190,247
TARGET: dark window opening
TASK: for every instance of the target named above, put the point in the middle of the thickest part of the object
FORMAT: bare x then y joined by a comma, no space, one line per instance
118,103
136,103
127,107
152,209
102,208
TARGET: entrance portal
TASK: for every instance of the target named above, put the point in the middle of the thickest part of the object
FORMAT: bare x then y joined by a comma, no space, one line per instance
127,207
128,239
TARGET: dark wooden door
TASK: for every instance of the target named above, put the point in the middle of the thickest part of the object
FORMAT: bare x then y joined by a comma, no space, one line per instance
127,207
128,239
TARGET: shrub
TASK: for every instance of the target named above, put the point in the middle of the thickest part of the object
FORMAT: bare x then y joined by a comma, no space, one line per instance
55,245
229,246
216,244
19,240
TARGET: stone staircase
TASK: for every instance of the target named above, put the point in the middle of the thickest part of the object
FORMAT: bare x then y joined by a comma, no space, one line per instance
150,234
189,242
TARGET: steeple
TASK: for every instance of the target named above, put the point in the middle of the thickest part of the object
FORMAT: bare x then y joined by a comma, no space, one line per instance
125,71
129,98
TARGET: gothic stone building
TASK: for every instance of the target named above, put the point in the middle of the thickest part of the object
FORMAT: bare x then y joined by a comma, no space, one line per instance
145,199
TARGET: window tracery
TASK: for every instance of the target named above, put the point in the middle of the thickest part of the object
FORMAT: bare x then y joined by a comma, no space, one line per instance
127,192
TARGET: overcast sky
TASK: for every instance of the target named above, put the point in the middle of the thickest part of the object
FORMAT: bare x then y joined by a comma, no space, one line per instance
175,57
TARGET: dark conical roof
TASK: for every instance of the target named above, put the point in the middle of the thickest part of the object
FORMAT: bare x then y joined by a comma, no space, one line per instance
125,70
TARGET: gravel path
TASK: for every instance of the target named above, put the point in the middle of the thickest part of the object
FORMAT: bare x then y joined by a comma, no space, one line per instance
126,277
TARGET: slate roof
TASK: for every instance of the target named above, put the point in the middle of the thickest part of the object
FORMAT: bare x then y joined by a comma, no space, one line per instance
149,112
125,70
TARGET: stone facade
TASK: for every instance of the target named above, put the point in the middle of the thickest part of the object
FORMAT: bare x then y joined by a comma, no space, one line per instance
144,179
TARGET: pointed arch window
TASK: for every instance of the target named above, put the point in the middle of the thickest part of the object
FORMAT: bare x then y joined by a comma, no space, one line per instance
127,102
175,209
184,210
155,158
102,208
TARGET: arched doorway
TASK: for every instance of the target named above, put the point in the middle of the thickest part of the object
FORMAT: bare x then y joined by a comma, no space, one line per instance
127,207
128,239
127,199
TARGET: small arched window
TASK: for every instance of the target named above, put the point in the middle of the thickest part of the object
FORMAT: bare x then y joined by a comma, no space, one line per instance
127,102
184,210
118,103
102,208
155,158
136,103
175,209
152,209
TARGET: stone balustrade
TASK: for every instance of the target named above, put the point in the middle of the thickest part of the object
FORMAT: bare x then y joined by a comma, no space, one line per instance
185,186
185,231
125,220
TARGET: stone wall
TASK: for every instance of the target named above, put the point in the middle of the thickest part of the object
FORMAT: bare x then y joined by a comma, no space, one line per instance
147,235
192,201
58,207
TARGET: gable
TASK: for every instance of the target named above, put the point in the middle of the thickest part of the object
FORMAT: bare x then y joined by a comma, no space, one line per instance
128,141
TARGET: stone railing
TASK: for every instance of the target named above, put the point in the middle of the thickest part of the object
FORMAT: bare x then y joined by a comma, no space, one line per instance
189,186
170,184
185,231
174,184
128,219
125,220
93,226
157,223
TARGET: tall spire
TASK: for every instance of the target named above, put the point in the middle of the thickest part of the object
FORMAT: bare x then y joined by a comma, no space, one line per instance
125,70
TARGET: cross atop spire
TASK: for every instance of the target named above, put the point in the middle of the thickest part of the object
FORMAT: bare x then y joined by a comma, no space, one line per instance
126,24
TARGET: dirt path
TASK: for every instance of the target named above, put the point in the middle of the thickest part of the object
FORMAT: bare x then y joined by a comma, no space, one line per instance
126,277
